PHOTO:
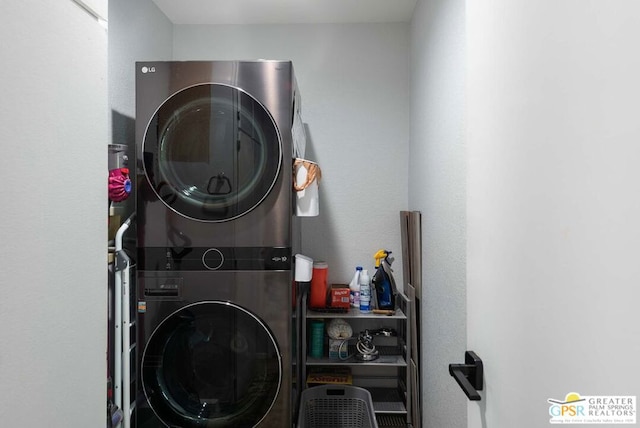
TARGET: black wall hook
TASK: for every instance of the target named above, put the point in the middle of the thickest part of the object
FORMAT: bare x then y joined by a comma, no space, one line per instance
470,375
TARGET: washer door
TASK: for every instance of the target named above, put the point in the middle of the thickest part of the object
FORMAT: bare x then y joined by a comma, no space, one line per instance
212,152
211,364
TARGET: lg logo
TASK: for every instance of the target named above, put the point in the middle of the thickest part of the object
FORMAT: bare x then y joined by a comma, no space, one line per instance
146,69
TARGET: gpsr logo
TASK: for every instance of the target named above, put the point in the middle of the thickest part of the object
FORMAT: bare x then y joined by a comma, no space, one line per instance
604,409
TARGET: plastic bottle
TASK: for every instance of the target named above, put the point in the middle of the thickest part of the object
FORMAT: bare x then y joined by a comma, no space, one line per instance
318,294
383,284
354,289
365,292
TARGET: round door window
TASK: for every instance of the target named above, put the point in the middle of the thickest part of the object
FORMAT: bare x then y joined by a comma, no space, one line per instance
212,152
211,364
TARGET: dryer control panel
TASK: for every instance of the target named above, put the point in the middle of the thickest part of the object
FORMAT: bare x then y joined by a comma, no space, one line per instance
214,258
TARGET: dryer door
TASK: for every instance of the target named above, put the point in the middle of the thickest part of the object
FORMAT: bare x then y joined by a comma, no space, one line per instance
212,152
211,364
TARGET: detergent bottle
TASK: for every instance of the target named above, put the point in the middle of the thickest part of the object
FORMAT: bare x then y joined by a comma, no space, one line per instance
383,282
365,291
354,289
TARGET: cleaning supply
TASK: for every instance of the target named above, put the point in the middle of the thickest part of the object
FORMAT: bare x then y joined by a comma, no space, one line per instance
318,294
383,281
365,291
354,288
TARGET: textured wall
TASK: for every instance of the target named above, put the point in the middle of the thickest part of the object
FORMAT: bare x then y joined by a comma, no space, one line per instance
553,203
355,100
53,222
138,31
437,188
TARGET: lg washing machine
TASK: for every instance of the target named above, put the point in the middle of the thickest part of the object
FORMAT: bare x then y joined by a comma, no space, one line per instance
215,237
216,350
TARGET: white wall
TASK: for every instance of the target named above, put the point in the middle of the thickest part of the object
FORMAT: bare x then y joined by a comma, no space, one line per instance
437,173
355,99
553,203
53,223
138,31
552,188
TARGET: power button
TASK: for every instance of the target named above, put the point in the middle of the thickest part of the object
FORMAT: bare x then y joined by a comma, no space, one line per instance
212,259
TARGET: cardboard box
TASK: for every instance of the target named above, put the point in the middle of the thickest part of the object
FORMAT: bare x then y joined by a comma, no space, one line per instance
339,296
332,376
338,349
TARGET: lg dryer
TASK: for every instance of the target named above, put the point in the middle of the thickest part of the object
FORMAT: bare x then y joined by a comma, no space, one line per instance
215,149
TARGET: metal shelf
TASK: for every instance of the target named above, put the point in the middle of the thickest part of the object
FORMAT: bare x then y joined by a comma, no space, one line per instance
355,313
391,421
389,356
387,377
387,400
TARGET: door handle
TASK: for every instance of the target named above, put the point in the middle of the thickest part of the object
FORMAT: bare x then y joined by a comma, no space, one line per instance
219,185
470,375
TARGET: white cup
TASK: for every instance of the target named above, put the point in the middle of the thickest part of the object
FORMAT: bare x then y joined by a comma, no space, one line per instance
303,268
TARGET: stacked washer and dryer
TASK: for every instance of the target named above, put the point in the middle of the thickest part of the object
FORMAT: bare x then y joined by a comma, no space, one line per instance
216,232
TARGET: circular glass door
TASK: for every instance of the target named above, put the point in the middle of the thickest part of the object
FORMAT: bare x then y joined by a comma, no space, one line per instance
212,152
211,364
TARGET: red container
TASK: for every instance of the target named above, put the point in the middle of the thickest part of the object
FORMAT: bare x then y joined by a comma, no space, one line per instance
319,289
340,296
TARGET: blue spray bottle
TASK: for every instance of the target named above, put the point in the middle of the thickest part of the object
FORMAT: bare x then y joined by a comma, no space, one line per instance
383,281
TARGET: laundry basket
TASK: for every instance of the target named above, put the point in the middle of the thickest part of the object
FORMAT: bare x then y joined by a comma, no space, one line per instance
331,406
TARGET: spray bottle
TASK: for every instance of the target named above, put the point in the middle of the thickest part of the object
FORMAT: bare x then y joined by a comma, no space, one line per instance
383,282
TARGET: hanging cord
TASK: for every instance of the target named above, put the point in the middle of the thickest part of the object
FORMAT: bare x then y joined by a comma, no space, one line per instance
366,350
340,349
313,173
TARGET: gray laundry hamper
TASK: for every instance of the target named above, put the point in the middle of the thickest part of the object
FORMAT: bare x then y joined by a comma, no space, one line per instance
336,406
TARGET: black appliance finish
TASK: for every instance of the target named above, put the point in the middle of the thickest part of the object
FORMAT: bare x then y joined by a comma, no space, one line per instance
215,241
215,149
217,349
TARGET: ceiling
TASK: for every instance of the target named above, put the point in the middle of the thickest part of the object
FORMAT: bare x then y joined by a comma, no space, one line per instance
285,11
